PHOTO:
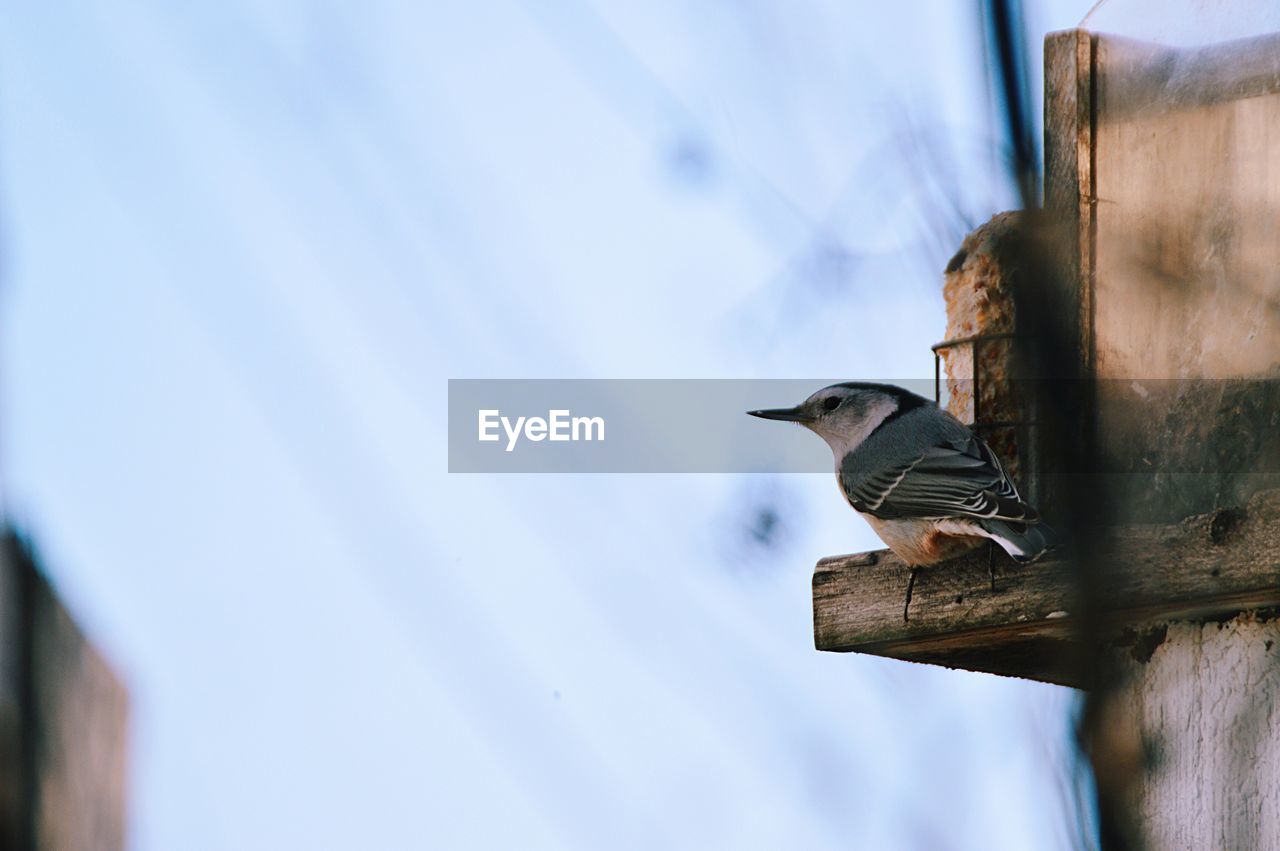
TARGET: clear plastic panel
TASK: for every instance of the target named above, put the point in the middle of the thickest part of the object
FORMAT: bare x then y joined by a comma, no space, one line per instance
1185,23
1184,291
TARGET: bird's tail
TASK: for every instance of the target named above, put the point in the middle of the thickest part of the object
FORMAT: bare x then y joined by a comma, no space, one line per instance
1025,542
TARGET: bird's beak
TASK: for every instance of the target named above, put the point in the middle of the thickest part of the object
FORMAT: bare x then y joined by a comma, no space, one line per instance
788,415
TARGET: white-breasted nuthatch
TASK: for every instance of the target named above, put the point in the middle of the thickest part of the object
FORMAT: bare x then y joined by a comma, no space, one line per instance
929,487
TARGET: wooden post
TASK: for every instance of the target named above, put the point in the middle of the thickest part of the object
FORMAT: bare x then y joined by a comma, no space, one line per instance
1205,696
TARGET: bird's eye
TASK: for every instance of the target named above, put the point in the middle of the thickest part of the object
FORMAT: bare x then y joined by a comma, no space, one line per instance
831,403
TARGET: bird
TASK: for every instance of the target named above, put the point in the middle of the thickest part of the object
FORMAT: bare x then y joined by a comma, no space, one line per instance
929,487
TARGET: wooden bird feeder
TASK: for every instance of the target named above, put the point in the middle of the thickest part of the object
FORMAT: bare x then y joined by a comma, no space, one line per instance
1162,169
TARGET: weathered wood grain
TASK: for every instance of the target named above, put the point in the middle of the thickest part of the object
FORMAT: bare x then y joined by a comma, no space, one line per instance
1068,179
1207,566
1202,710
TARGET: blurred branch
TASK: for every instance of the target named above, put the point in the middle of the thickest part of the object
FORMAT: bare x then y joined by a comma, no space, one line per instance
1008,49
1046,306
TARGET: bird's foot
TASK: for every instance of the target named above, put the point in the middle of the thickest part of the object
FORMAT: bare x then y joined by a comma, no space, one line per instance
911,586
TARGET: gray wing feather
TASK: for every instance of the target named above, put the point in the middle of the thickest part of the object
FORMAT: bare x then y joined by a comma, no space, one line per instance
956,478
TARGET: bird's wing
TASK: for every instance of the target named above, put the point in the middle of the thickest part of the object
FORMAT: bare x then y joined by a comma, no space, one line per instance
959,478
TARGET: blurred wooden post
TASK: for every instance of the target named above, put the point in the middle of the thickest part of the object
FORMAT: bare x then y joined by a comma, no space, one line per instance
63,720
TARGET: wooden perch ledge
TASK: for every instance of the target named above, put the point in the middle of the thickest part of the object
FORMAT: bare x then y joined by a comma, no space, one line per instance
1208,566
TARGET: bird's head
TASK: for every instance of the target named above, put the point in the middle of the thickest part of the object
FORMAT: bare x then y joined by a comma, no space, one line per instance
845,414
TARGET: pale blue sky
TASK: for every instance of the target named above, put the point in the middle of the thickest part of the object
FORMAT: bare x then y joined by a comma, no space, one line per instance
246,244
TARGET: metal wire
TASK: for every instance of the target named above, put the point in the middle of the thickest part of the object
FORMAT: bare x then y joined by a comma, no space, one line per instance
975,342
